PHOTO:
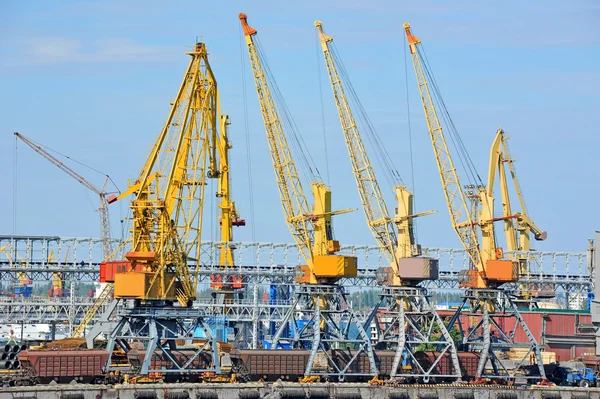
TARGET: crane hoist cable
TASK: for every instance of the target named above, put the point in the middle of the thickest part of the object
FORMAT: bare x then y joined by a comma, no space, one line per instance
311,228
463,155
389,168
307,164
247,137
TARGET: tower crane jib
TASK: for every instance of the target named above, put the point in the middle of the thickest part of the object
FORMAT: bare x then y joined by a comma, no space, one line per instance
103,209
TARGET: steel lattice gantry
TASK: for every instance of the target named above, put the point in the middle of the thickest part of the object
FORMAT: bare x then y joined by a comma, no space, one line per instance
263,265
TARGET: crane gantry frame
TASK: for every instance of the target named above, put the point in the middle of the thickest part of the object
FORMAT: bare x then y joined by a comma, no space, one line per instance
484,295
411,321
317,294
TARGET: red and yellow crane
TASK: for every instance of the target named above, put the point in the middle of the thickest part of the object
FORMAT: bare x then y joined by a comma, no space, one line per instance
487,271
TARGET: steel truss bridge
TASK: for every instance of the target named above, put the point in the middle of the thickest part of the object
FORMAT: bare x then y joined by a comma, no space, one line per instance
266,267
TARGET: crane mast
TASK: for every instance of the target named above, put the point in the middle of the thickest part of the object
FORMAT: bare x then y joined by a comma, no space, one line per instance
404,307
318,297
484,295
103,210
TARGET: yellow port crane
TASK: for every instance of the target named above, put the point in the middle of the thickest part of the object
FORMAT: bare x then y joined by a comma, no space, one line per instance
217,153
410,318
488,271
518,226
161,268
103,210
317,294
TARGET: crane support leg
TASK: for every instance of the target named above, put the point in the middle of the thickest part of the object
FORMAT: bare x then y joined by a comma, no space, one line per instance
334,352
102,325
413,327
163,331
496,312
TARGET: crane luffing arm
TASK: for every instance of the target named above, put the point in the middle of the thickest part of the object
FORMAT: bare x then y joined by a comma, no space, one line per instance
523,217
204,98
373,203
496,166
500,155
59,164
293,200
455,199
147,176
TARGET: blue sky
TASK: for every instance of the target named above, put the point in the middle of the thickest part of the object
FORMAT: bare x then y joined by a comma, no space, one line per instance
93,80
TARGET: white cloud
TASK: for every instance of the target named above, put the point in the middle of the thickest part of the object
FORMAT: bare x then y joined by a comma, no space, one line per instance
56,50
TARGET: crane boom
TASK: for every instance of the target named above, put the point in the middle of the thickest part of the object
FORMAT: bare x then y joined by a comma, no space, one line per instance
294,203
373,203
462,221
524,224
103,210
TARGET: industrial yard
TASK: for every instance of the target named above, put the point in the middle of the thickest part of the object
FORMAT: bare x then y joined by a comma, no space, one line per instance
251,248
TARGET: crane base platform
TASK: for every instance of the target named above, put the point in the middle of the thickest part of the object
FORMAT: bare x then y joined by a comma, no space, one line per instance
161,340
320,318
411,326
489,320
